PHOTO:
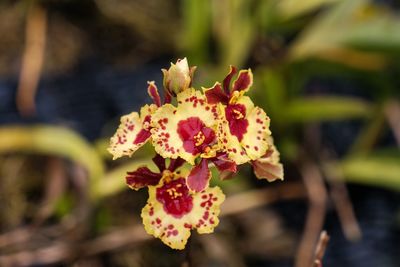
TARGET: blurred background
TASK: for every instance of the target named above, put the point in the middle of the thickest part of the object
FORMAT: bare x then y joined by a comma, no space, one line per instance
327,72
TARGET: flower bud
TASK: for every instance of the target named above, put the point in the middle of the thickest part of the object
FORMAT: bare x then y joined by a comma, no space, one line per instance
178,77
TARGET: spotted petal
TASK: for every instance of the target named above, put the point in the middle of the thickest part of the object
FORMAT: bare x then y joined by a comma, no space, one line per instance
132,133
230,143
172,126
255,140
171,212
269,166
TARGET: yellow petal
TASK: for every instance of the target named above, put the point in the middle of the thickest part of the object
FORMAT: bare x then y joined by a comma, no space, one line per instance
269,166
157,222
206,208
230,143
246,101
166,139
124,142
255,140
174,231
192,103
147,110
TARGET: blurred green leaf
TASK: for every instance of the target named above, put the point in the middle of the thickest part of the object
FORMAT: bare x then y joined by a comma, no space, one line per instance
64,205
289,9
369,135
114,181
322,108
350,23
375,170
378,31
52,140
271,94
233,23
196,29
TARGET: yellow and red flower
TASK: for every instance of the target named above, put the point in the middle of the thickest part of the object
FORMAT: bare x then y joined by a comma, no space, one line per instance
189,131
243,128
172,210
185,131
220,126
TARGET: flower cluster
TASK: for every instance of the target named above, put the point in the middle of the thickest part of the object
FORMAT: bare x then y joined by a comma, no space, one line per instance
216,127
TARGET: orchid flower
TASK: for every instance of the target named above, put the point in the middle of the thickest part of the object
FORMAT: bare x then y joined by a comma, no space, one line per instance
189,131
243,128
219,126
172,210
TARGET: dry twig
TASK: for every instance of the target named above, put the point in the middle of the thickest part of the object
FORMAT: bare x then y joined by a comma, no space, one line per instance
317,195
320,249
392,113
60,252
32,61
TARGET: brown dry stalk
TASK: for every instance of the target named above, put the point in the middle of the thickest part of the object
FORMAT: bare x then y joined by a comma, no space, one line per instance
58,252
344,208
392,113
318,196
320,249
32,60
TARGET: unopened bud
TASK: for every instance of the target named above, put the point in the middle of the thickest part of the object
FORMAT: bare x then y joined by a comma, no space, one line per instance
178,77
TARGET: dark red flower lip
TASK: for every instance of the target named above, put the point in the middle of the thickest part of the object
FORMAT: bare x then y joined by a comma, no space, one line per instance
236,116
196,137
175,197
